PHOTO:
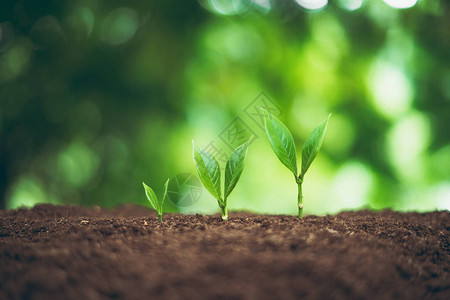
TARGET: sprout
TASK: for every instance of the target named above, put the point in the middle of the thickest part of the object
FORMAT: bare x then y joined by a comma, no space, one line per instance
154,201
283,145
209,173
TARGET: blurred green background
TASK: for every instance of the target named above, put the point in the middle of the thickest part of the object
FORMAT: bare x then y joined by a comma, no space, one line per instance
97,96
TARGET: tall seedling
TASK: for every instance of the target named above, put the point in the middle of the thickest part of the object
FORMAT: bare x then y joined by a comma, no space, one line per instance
283,145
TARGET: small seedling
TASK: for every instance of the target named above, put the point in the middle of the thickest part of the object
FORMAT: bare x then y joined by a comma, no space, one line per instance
283,145
156,203
209,172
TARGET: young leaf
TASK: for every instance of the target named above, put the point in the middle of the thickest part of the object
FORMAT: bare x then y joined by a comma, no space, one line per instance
312,145
208,171
234,167
161,204
281,140
151,197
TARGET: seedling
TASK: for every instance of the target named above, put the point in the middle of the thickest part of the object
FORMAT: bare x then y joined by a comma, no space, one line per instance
283,145
209,172
156,203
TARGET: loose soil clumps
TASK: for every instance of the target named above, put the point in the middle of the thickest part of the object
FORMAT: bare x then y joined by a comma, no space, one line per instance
68,252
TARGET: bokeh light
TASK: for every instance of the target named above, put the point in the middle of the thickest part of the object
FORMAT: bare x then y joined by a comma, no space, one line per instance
391,89
119,26
351,5
229,7
406,143
96,97
401,3
312,4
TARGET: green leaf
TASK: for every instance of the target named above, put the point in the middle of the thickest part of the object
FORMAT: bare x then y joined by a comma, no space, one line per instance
235,166
312,145
208,171
151,197
281,140
161,204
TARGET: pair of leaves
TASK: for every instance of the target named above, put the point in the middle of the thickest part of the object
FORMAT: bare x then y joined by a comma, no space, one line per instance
283,145
155,202
209,171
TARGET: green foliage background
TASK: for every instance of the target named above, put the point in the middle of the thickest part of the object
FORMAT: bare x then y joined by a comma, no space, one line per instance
98,96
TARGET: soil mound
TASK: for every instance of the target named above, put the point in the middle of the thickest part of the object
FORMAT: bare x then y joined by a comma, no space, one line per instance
69,252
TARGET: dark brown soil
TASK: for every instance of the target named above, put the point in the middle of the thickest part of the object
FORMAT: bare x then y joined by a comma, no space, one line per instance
79,253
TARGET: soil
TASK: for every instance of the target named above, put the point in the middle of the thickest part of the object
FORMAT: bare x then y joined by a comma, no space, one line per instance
67,252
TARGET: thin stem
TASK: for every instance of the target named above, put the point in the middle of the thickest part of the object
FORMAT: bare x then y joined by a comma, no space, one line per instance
160,217
300,200
224,213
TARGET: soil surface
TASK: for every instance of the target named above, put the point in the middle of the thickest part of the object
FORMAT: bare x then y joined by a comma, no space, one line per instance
66,252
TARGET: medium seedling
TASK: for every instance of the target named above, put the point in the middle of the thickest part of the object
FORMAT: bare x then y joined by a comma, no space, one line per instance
283,145
156,203
209,172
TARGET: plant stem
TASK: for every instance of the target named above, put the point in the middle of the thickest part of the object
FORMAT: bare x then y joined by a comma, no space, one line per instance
160,217
300,200
224,212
